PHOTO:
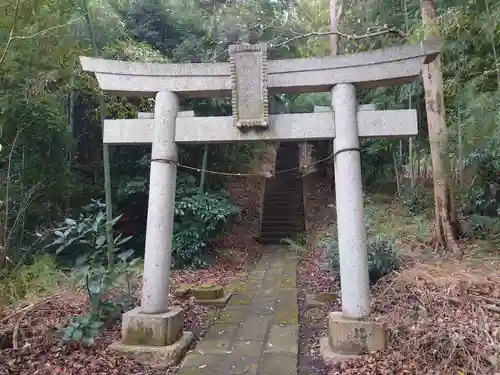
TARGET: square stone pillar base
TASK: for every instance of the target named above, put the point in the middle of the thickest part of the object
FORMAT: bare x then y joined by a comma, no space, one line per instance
348,338
154,339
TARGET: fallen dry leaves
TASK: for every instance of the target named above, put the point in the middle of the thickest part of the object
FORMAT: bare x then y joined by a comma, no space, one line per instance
37,327
442,319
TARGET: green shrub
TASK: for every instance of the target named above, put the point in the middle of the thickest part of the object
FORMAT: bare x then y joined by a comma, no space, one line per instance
37,278
97,271
199,219
415,200
477,200
481,195
383,258
298,243
481,227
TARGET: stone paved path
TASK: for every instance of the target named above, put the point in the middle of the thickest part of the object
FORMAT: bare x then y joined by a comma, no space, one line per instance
257,333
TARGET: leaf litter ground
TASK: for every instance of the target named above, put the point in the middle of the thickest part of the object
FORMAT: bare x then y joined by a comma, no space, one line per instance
442,316
35,328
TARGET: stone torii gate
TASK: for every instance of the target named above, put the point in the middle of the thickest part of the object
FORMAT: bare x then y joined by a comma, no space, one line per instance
156,328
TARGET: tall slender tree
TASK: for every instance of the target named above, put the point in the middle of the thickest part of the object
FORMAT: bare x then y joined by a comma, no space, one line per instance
447,228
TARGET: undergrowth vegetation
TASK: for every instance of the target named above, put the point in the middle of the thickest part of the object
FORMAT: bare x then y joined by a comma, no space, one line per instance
384,256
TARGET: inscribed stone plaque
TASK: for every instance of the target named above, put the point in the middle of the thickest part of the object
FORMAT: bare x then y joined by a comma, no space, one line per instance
249,84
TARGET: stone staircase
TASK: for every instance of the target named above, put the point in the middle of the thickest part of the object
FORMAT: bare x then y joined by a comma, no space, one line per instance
283,207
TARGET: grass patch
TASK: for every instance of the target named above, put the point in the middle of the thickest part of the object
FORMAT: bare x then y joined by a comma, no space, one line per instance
31,281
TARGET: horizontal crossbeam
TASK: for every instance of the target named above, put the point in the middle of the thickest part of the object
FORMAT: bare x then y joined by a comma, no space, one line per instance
283,127
382,67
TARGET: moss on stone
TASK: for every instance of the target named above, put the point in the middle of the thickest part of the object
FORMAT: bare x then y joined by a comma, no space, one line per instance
242,299
288,315
141,335
208,292
288,282
326,297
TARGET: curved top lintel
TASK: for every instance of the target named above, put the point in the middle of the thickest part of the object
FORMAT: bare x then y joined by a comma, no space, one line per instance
388,66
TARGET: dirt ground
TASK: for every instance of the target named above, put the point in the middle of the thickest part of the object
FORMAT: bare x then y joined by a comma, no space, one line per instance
34,328
442,316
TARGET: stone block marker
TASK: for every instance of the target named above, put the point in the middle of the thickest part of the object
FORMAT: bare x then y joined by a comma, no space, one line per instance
250,338
211,295
350,337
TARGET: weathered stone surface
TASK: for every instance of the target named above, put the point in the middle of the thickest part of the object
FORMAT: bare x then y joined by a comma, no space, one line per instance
388,66
317,317
208,292
263,306
288,282
329,355
286,315
243,298
202,360
249,84
243,339
282,127
349,336
218,339
327,296
283,339
156,356
152,329
219,302
254,328
243,359
234,314
278,364
182,290
320,299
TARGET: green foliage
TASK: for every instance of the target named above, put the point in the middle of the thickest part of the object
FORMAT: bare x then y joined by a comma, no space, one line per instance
416,200
83,329
297,243
100,281
481,196
86,236
378,169
481,227
383,256
199,218
38,278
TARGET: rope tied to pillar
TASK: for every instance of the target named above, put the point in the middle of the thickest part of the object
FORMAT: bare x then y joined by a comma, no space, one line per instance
220,173
345,150
165,161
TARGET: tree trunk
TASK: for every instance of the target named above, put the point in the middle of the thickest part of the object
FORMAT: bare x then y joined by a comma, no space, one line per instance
447,228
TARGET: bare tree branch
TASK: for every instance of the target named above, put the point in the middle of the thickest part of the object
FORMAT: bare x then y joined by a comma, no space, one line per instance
48,29
12,31
382,31
13,37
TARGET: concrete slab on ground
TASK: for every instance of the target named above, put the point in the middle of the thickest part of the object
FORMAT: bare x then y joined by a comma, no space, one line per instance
257,333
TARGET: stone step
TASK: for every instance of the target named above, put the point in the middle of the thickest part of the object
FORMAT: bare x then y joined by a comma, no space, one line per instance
283,226
280,233
270,240
285,195
273,206
282,203
284,232
282,214
284,187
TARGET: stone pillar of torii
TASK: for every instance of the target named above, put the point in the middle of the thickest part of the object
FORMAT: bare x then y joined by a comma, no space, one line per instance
156,326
